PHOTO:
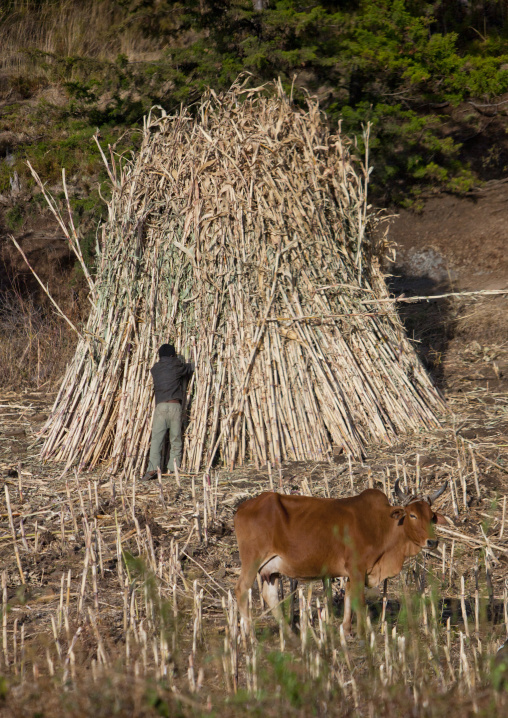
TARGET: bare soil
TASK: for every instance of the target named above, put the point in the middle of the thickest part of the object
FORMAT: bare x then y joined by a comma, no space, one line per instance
459,243
456,244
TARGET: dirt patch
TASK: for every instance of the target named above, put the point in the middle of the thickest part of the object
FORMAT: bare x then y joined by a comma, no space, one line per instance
457,243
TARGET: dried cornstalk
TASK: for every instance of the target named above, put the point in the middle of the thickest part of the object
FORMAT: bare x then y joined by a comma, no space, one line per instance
241,232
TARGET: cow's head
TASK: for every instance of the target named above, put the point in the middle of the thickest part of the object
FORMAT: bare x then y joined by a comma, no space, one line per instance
418,518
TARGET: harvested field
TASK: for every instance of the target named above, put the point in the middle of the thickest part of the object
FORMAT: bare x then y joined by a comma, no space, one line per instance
117,595
120,593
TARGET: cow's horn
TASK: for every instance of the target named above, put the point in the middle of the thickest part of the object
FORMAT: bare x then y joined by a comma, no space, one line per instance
437,493
402,497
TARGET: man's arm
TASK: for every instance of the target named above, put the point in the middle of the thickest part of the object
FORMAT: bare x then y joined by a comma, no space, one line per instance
186,370
189,370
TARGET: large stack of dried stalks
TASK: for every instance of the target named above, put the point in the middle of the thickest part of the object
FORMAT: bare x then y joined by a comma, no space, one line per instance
239,232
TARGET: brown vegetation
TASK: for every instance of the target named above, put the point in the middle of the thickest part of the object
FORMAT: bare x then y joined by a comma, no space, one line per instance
35,344
121,593
115,595
67,29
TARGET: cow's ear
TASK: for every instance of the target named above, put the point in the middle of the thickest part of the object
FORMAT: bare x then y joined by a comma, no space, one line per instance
398,513
440,519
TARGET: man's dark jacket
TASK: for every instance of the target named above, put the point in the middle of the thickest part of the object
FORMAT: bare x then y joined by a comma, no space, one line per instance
168,375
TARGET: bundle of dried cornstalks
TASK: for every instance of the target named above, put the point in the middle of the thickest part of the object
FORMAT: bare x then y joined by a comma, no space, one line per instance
240,233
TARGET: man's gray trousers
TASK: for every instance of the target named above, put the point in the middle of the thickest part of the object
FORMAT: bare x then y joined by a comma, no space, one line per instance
167,415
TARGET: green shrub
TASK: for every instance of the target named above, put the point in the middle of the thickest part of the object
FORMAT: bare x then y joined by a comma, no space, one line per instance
401,65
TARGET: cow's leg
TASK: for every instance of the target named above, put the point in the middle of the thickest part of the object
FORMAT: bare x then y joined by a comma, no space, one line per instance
271,595
293,585
347,620
328,595
245,581
354,600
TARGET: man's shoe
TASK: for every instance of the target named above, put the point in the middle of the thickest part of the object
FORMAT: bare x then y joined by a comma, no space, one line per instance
149,476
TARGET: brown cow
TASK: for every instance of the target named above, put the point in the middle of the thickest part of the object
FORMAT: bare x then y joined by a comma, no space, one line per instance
362,537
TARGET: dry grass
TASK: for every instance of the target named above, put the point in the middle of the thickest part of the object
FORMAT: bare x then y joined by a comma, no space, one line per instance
91,29
35,345
117,595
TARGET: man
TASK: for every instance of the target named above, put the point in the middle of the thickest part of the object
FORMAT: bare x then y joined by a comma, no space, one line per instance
168,375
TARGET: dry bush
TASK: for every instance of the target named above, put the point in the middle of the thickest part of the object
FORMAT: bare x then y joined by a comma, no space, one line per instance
35,345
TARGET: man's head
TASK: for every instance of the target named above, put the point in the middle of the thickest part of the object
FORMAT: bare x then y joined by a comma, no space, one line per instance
167,350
